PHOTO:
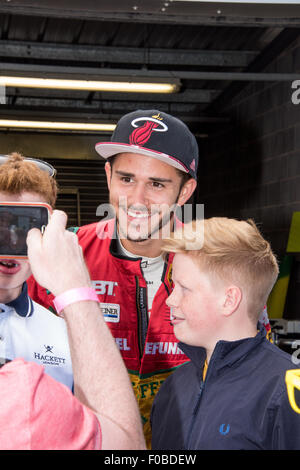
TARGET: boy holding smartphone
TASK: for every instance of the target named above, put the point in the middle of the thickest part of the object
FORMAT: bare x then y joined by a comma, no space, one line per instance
28,330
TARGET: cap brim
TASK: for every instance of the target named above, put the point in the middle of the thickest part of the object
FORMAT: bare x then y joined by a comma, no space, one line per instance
109,149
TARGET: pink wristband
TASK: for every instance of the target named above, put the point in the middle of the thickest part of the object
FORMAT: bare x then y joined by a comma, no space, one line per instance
74,295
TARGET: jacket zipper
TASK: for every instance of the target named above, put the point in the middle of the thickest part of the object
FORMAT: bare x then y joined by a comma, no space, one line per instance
142,317
195,412
199,397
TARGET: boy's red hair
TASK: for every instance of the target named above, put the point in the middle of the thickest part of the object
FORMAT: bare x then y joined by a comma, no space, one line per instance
18,175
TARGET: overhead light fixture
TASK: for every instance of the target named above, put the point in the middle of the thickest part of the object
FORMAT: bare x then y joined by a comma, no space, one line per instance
159,86
282,2
51,125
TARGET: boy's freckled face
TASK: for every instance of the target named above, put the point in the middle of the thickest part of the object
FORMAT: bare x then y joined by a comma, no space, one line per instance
194,303
14,272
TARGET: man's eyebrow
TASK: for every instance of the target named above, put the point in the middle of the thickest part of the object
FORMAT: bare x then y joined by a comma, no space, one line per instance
157,179
161,180
124,173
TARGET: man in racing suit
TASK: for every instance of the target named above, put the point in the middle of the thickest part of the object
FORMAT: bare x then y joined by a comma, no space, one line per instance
151,171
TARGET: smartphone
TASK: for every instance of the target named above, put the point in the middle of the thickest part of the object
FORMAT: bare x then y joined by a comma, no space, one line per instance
16,219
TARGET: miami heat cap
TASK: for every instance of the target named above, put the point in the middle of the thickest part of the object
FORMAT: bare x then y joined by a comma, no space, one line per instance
154,134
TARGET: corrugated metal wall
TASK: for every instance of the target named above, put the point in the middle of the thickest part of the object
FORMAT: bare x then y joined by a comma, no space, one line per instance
82,185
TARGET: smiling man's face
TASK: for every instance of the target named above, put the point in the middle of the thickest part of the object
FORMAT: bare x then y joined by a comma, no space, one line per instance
143,192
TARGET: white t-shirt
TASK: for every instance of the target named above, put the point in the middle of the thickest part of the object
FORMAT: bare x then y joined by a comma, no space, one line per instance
152,269
33,333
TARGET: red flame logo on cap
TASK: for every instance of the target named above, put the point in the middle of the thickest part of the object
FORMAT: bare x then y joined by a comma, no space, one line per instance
142,134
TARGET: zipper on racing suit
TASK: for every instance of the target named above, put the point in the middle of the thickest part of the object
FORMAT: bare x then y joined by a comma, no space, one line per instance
142,309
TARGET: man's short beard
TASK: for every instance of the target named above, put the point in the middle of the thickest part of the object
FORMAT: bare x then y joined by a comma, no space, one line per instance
167,218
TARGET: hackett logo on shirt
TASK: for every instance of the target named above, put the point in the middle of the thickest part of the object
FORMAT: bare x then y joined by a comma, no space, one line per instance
49,359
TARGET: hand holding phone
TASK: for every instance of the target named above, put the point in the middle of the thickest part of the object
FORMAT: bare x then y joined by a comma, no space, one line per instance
56,258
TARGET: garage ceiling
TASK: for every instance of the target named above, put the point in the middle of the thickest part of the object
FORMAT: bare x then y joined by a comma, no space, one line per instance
214,49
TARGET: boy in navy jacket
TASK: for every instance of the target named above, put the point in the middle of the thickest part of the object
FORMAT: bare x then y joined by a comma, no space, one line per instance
232,394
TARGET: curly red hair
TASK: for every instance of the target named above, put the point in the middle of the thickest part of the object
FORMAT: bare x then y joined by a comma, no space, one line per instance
18,175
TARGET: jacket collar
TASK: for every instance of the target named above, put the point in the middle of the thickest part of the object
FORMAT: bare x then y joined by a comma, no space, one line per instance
114,246
115,249
226,353
133,264
23,304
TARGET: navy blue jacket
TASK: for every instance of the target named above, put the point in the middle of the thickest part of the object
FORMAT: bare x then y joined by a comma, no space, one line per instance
242,404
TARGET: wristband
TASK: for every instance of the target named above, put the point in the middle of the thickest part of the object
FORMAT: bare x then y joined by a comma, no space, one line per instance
74,295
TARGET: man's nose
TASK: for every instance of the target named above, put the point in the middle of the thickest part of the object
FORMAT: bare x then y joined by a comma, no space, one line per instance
139,195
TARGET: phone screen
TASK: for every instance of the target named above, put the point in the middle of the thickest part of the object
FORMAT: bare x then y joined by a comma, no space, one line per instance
15,222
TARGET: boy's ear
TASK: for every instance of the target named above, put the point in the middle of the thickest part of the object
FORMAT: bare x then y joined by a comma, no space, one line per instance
233,298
